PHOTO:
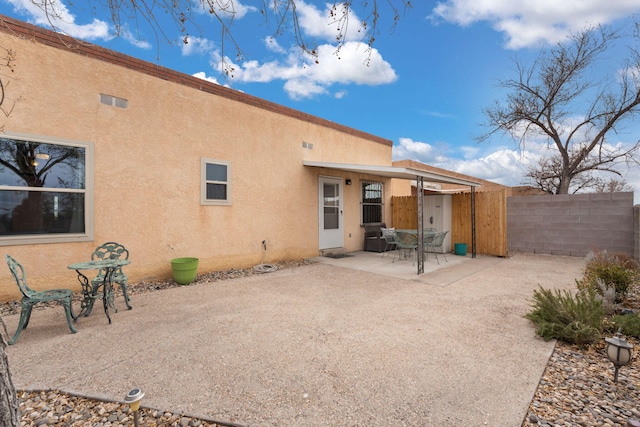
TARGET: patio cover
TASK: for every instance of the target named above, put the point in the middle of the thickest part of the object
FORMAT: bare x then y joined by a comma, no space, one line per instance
412,174
394,172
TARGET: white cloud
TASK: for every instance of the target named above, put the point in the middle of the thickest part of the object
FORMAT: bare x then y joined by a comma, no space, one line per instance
272,44
470,152
59,16
498,164
56,15
527,23
131,38
420,151
507,167
340,94
504,166
203,76
439,115
300,89
229,10
325,25
196,45
305,78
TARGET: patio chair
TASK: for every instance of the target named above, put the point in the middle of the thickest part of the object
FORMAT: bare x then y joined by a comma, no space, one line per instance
373,240
405,242
435,242
389,236
31,298
111,250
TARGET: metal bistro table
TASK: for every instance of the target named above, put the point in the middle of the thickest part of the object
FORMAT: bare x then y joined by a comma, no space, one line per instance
409,236
90,292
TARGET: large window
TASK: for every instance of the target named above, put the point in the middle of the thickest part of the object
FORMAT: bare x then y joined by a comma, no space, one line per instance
372,199
215,183
45,190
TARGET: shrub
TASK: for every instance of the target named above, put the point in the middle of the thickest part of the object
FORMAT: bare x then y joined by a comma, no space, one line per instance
560,315
607,294
618,271
628,324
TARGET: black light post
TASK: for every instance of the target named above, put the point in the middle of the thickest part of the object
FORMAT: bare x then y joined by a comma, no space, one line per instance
618,352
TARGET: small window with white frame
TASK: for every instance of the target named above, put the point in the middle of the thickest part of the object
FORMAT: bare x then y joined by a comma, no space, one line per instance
372,201
215,182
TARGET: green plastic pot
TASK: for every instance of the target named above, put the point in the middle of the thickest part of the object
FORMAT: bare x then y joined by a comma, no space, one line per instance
184,270
460,249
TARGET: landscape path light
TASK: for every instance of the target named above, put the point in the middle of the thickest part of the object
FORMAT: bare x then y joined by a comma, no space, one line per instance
618,352
133,399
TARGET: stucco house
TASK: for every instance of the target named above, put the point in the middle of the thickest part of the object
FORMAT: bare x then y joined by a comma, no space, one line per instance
100,146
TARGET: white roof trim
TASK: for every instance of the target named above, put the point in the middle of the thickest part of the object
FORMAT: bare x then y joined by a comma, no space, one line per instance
393,172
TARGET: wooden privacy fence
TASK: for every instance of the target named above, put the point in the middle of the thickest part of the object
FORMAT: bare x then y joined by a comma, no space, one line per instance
404,212
490,213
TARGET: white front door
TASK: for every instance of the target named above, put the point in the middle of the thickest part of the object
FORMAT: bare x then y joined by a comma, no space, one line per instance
330,203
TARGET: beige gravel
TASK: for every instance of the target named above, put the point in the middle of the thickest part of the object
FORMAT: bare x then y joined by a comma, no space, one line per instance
317,345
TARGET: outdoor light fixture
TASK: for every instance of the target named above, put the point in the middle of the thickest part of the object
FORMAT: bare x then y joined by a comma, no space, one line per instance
618,352
133,399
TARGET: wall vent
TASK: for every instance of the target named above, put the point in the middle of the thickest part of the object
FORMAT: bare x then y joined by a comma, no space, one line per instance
307,145
113,101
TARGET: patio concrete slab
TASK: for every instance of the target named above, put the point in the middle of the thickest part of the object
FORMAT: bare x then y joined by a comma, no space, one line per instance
317,345
448,270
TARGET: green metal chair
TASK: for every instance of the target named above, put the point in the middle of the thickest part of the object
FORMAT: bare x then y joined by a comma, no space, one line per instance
406,243
110,250
31,298
434,242
389,236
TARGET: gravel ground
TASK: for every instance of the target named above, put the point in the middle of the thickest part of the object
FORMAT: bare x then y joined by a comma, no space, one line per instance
577,388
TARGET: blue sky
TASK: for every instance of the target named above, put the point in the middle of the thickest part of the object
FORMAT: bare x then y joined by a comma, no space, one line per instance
424,88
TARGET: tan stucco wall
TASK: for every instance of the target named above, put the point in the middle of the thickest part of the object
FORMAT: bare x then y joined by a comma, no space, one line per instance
147,169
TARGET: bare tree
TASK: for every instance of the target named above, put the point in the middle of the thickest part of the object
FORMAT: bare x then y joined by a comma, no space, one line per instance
280,15
7,61
558,98
9,410
547,173
612,186
546,176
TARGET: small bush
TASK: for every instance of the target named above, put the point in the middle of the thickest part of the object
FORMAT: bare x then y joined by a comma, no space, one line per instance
560,315
618,271
607,294
628,324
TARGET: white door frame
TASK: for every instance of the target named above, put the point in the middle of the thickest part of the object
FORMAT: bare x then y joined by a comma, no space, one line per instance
330,218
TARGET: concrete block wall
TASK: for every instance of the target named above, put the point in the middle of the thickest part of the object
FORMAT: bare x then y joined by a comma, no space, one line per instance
573,224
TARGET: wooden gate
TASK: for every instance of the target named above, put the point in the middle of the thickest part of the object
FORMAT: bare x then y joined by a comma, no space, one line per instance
491,219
